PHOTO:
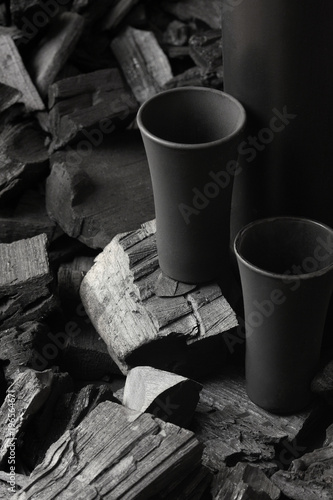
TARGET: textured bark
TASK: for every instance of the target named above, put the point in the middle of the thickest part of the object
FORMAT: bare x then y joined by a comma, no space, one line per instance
144,64
23,158
171,397
25,281
130,455
20,345
91,196
89,106
206,50
233,428
14,74
309,477
141,328
63,411
26,395
244,482
55,49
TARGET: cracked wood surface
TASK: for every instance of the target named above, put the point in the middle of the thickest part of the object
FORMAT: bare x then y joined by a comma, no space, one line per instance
138,326
25,281
114,453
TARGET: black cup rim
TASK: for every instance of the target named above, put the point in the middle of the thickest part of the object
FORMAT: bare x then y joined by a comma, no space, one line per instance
180,145
270,274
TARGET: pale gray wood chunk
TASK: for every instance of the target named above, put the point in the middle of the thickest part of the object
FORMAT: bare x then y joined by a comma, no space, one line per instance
14,74
25,280
118,295
144,64
171,397
114,453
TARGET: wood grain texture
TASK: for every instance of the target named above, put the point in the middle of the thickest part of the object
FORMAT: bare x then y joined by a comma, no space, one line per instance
26,395
23,158
95,195
233,428
99,102
143,62
139,327
114,453
20,345
25,281
309,477
244,482
14,74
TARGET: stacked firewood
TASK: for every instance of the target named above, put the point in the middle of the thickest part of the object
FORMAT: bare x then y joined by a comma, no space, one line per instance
115,381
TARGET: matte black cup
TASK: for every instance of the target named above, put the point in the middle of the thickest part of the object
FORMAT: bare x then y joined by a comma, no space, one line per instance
191,136
286,269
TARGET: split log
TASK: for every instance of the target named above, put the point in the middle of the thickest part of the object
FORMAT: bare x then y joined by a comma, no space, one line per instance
54,50
25,281
27,219
24,398
20,345
209,12
144,64
310,477
14,74
24,158
141,328
62,412
232,428
129,455
117,13
244,482
89,106
171,397
94,204
205,49
322,384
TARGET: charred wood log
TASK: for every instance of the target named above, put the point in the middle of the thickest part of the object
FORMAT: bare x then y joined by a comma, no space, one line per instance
141,328
94,204
129,454
144,64
25,282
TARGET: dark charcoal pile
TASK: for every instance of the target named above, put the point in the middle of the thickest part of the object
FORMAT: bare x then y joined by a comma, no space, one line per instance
80,417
